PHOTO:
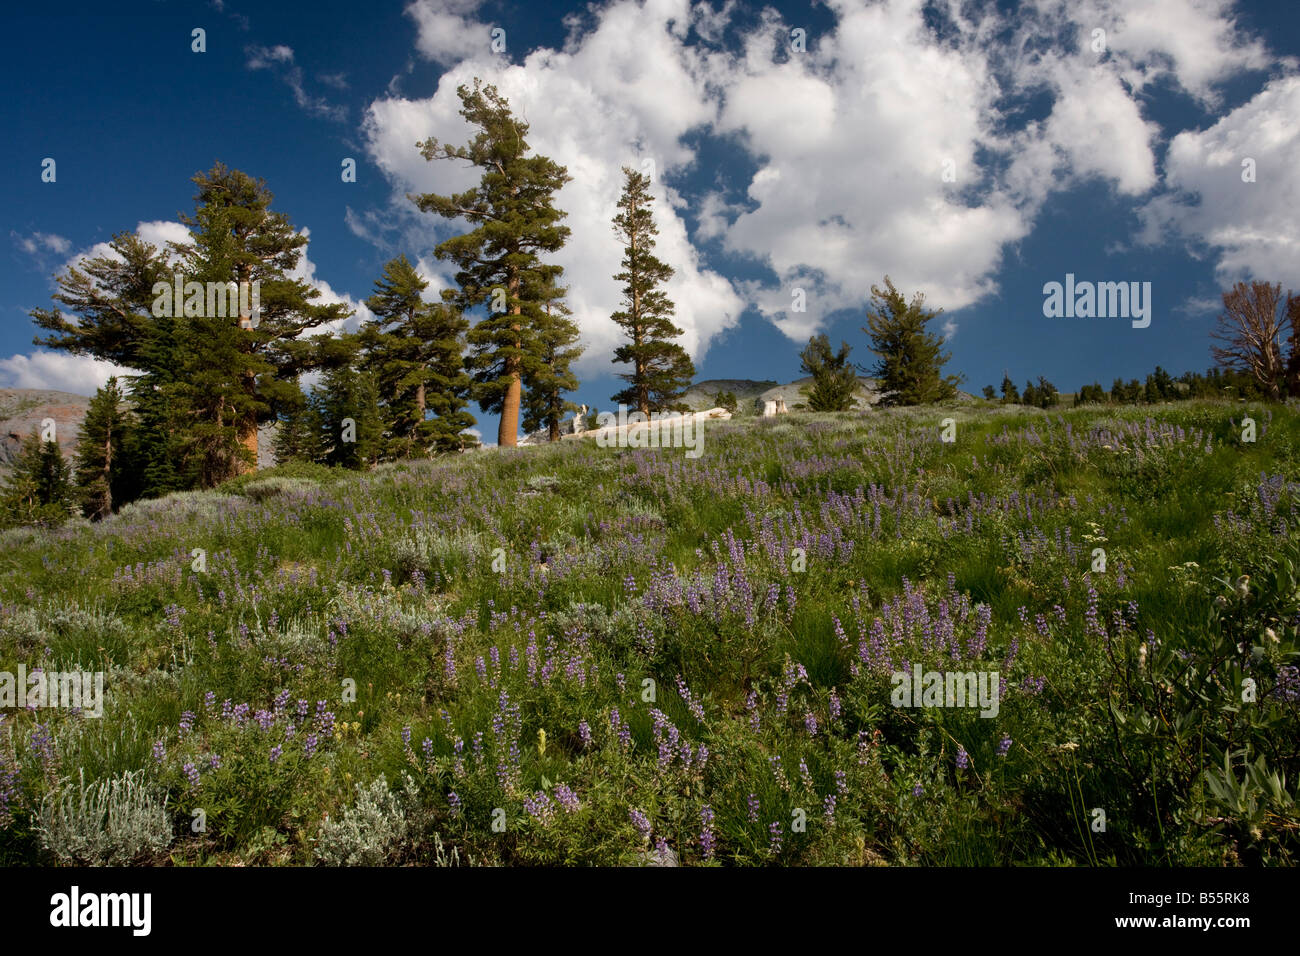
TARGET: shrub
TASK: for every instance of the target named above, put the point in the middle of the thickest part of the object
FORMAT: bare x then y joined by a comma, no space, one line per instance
375,830
115,822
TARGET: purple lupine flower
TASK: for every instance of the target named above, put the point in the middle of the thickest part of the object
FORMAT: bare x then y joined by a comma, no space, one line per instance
918,790
641,822
159,751
779,772
264,719
540,807
453,800
775,831
566,798
209,700
810,723
708,842
834,705
214,762
584,733
191,774
828,809
275,753
187,722
753,808
303,708
963,758
1004,745
804,775
841,783
309,745
751,705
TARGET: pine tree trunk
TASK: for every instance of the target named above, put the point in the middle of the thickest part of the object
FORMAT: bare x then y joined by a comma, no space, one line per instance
419,418
247,426
508,431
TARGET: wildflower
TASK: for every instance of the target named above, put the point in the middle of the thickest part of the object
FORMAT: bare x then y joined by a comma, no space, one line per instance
963,758
566,798
918,790
753,808
584,733
1004,745
275,753
642,824
708,841
453,799
191,774
774,830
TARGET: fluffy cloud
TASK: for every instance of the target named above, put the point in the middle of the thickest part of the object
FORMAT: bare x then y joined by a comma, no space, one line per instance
41,242
851,140
625,93
78,374
446,30
1251,226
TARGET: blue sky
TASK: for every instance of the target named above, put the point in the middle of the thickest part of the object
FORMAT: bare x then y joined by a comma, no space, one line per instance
775,169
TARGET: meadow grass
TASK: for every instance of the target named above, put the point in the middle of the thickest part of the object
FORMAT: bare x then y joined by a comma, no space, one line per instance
517,656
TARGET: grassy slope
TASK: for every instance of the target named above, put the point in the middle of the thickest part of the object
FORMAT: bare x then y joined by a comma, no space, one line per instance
628,567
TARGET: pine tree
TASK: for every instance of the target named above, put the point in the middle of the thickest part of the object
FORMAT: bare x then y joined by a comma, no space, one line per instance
546,384
37,490
514,220
239,367
1010,393
298,437
102,466
346,408
989,392
1048,394
911,359
661,368
415,351
112,298
834,379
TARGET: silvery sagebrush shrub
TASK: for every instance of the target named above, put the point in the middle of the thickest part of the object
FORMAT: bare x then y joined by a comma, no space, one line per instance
265,488
377,829
114,822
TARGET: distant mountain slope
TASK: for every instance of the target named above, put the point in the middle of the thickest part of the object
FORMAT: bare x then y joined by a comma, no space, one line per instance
23,409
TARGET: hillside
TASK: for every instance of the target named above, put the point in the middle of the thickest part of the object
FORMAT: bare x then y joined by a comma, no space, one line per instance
633,657
23,409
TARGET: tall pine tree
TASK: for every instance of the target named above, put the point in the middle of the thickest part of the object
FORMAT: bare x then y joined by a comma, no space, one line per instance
37,490
661,369
911,359
103,469
545,385
834,379
415,351
514,220
241,368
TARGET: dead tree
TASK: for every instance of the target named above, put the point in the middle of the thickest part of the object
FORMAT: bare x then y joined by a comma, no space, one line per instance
1251,329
